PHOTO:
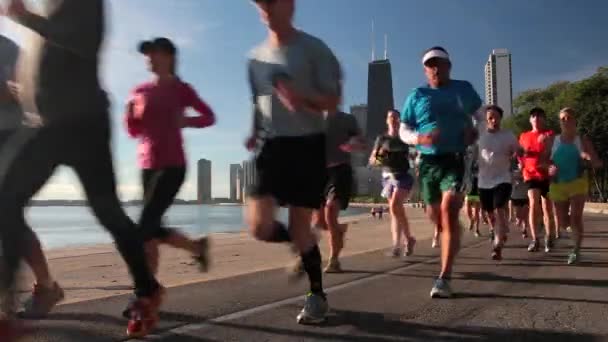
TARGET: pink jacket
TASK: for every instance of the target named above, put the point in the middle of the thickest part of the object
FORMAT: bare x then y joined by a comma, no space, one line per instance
155,115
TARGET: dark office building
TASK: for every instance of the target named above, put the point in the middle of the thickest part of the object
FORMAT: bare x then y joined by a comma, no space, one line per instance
379,97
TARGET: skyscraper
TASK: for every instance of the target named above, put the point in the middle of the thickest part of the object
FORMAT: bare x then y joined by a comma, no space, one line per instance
379,97
248,176
235,169
499,85
203,185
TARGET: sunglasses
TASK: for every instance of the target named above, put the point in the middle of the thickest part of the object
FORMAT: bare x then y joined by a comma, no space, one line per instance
267,2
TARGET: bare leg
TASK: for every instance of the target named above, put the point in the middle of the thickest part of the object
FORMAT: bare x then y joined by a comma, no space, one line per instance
450,237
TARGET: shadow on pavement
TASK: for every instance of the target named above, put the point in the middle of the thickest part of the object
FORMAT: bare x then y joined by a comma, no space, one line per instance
371,326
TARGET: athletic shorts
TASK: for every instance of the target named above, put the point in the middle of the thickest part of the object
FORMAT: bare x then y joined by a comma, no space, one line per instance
542,185
496,197
392,181
520,202
339,184
439,174
562,192
292,170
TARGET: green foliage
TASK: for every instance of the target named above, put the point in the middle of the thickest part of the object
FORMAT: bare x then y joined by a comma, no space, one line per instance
368,199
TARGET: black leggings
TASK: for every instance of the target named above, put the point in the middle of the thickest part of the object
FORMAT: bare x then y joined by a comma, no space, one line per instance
29,158
160,188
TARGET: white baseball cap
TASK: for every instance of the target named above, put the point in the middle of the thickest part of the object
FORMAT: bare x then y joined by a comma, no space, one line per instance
435,53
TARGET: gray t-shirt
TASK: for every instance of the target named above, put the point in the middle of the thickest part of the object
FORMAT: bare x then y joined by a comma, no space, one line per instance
341,127
10,110
312,68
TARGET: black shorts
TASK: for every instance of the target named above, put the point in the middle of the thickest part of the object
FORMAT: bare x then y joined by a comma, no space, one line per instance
339,184
520,202
292,170
542,185
497,197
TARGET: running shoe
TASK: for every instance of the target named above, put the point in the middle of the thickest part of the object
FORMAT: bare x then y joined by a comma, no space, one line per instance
548,244
435,243
524,233
333,266
533,246
492,235
143,314
203,255
573,257
315,310
477,233
496,253
409,247
441,289
569,229
395,252
42,301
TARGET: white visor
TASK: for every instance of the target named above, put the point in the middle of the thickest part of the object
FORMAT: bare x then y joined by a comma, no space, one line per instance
435,54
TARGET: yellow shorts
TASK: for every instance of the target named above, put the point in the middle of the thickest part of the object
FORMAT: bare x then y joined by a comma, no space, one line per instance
561,192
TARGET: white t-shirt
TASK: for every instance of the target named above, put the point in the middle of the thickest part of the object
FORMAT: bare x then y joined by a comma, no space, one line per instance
495,153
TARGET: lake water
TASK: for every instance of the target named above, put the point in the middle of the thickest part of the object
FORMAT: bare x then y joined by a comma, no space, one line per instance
60,227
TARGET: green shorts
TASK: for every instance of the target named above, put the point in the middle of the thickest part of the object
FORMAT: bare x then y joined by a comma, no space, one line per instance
439,174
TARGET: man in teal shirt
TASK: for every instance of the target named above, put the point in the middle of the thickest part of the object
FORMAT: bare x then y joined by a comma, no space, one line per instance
438,119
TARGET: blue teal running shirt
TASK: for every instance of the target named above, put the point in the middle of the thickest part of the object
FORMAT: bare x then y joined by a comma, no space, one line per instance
449,108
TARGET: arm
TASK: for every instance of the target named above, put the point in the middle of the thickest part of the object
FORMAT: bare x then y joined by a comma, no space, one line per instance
256,116
76,25
372,156
407,129
589,153
206,115
473,105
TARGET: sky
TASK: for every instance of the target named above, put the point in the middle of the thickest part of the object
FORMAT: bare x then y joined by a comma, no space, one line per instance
550,40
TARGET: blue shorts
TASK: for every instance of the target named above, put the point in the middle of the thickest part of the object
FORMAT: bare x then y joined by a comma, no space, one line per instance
391,181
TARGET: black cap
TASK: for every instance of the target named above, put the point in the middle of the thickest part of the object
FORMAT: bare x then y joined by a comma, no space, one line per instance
158,44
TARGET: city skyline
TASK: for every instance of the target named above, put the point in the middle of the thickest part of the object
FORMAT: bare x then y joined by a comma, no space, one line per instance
213,54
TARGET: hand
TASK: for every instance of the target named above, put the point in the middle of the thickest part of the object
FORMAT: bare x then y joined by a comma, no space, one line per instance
542,138
288,96
585,156
16,8
251,142
552,170
429,139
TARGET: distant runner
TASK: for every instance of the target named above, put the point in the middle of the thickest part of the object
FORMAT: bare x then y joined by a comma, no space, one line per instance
343,138
571,155
392,154
497,148
535,161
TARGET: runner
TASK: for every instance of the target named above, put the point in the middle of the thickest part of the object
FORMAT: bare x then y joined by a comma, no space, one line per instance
294,79
535,163
158,124
70,126
471,201
392,155
438,119
497,147
571,154
46,291
519,198
343,137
